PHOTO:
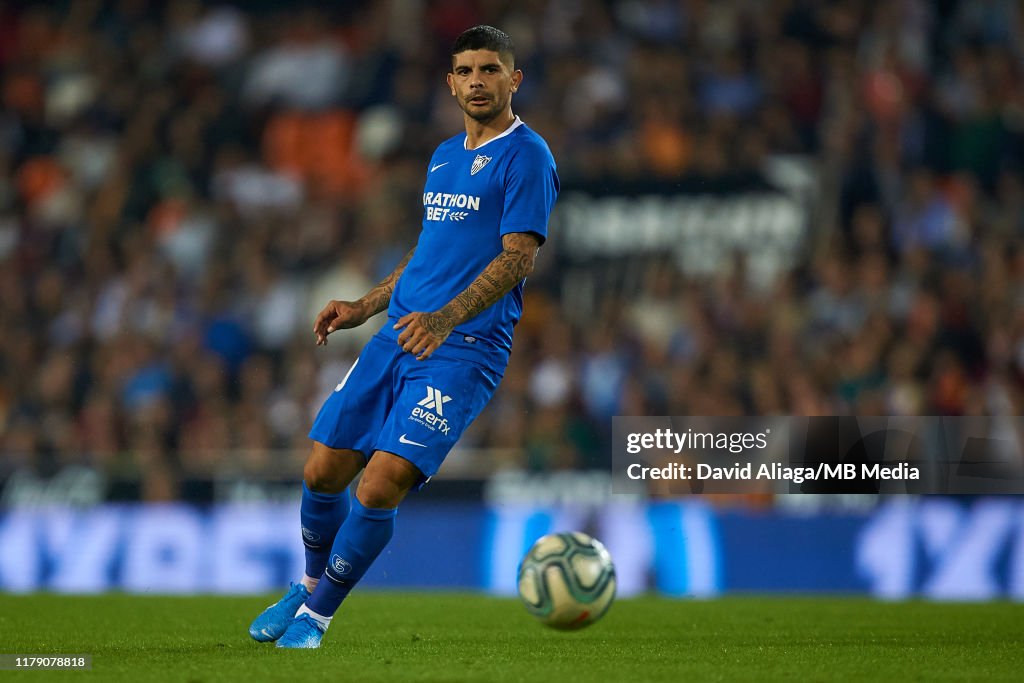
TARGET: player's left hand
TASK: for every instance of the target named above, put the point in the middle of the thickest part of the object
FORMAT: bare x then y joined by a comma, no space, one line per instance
423,333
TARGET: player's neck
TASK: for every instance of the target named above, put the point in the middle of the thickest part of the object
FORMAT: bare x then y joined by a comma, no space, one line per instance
479,132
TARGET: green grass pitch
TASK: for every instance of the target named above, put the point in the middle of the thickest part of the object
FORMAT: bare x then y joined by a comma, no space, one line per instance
380,636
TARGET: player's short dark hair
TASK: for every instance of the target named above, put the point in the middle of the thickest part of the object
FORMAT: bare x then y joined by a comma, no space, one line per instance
486,38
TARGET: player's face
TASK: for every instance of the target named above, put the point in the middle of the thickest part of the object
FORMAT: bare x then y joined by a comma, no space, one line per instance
482,84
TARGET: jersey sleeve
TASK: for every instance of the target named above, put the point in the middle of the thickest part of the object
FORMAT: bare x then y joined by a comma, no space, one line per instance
531,187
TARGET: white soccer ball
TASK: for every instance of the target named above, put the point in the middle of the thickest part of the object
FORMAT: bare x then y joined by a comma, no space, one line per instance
567,580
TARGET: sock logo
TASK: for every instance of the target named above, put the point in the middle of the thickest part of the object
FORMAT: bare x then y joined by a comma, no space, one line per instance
340,565
434,400
310,535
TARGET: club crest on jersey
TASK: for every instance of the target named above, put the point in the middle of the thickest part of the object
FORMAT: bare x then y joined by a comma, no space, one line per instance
478,164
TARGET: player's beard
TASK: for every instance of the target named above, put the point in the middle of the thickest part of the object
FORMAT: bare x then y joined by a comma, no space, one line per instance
484,114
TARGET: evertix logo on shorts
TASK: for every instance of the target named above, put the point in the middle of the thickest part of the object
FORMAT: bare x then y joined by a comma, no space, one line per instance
429,412
434,400
310,535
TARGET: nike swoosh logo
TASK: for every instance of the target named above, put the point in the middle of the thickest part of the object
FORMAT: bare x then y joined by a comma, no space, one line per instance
264,632
402,439
434,168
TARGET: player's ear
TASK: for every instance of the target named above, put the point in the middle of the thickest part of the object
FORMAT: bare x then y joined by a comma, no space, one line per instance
451,83
517,79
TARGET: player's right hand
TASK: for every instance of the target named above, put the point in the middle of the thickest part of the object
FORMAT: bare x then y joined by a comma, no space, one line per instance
338,315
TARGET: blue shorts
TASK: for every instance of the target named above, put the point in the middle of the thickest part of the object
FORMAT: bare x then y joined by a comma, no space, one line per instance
389,401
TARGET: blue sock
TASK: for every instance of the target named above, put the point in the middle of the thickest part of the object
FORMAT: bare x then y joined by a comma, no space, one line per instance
358,543
321,515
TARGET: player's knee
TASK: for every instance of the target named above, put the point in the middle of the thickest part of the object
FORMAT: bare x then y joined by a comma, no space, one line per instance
378,492
378,497
386,480
321,477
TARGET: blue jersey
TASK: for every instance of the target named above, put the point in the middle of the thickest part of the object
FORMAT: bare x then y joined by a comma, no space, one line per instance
470,200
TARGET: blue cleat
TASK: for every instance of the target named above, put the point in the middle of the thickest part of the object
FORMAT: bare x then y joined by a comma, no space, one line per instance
303,632
274,621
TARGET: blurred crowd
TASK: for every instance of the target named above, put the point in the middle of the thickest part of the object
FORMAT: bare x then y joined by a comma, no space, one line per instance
183,185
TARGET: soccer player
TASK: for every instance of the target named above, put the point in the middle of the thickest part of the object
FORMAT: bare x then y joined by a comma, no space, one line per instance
452,303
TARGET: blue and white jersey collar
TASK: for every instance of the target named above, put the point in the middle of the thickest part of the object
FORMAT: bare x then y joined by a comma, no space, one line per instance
515,124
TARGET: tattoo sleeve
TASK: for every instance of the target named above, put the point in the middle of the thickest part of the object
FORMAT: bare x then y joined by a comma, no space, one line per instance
507,270
378,298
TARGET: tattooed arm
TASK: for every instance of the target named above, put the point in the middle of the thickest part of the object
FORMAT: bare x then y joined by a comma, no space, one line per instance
425,332
340,315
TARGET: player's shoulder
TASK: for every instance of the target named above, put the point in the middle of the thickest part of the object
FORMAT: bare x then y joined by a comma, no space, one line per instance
528,144
454,143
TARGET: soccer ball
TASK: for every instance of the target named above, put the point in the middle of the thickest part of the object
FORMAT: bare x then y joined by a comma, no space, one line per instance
567,580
